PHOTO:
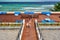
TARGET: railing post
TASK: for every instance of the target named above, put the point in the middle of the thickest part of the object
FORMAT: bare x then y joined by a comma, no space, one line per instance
20,31
38,31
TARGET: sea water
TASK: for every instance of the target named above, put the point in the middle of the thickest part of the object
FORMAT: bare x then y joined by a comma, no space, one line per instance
26,6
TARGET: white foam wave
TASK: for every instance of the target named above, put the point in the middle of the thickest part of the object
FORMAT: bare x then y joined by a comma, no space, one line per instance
0,5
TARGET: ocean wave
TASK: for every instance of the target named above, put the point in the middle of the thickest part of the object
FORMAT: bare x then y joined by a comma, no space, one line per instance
0,5
36,8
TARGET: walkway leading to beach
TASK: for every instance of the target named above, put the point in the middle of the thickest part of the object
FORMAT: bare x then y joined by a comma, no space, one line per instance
29,32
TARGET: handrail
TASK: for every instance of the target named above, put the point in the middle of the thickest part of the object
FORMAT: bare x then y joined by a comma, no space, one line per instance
18,37
38,31
20,31
9,23
49,23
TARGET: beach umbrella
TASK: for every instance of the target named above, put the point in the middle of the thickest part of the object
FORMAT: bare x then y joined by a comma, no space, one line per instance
28,12
3,12
48,20
16,13
46,13
31,12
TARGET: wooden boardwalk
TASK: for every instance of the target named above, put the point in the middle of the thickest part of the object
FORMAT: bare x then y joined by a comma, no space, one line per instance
40,17
55,17
29,32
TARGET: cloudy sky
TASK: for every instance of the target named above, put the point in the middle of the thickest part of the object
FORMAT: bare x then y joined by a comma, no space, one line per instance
26,0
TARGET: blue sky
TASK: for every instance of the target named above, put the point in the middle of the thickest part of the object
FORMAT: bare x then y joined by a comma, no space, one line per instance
26,0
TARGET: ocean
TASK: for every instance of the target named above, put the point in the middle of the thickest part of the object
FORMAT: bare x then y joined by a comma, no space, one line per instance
26,6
